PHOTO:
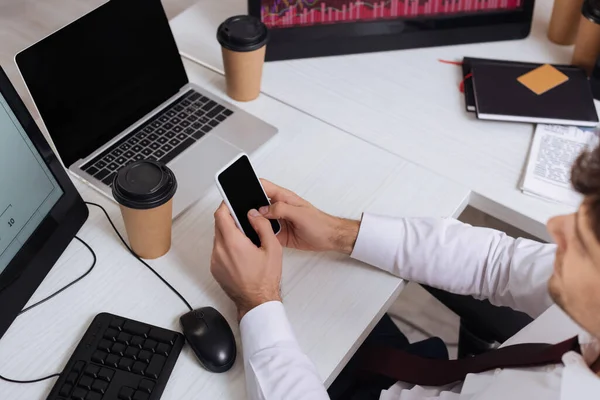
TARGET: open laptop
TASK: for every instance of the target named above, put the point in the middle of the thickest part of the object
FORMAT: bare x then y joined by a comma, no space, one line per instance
111,89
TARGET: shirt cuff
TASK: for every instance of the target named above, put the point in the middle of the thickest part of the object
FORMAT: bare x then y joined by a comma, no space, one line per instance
378,241
264,327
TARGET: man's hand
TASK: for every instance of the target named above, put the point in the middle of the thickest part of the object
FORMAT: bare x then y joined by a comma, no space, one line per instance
249,275
304,227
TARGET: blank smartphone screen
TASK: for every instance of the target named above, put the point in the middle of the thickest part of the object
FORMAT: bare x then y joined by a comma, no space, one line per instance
244,192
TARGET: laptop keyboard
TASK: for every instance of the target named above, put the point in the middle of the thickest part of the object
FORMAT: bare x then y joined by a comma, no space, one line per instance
163,137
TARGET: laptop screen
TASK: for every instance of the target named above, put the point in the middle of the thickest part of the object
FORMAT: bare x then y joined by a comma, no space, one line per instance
99,75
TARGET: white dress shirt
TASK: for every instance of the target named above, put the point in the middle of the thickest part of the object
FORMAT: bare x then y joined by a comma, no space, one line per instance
458,258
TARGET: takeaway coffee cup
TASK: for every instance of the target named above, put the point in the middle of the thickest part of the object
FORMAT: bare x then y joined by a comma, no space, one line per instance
587,44
243,42
565,21
145,191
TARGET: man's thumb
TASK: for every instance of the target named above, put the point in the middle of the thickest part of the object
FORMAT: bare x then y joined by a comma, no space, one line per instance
263,228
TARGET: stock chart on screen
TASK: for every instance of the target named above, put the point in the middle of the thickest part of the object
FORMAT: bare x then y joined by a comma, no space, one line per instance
293,13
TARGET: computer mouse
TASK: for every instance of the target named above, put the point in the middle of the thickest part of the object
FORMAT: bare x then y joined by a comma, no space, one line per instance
211,338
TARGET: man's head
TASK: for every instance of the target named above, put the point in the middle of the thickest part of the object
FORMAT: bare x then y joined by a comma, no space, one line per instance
575,283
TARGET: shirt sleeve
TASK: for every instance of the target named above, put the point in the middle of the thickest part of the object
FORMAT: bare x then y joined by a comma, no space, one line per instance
461,259
276,368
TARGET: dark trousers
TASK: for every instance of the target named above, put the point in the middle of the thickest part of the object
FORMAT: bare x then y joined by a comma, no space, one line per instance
386,333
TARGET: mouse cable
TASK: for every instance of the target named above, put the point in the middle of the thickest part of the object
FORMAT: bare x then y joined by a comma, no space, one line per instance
23,311
187,304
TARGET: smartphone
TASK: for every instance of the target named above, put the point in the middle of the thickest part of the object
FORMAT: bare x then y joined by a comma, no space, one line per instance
242,191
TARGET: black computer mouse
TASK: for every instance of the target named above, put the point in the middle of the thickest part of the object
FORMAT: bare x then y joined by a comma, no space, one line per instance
211,338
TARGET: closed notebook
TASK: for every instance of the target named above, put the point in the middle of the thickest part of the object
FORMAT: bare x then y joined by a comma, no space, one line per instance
500,96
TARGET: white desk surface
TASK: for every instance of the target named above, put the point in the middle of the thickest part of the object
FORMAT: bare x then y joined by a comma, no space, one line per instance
407,103
332,301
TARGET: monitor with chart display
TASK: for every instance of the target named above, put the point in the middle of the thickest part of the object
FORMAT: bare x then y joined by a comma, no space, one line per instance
306,28
40,209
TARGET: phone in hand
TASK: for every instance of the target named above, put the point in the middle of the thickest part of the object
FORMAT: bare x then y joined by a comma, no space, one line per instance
242,191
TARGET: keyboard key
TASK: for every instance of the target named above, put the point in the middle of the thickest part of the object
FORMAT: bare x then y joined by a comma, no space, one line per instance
138,157
92,171
132,352
133,141
137,341
171,113
150,344
136,328
93,396
137,148
129,154
195,96
170,135
200,114
65,390
112,360
156,124
227,112
124,338
117,152
151,158
109,179
153,137
178,108
164,118
146,386
141,135
119,349
189,131
168,126
161,131
121,160
105,345
220,118
86,382
106,374
159,153
163,349
109,158
98,357
175,121
149,129
147,152
215,111
92,370
139,395
182,136
192,118
155,367
139,368
177,151
204,120
125,364
185,103
102,174
177,129
167,148
156,146
174,142
100,164
145,142
145,356
182,115
198,134
79,394
100,386
126,393
206,128
185,124
213,123
209,106
197,125
78,367
111,334
112,166
204,99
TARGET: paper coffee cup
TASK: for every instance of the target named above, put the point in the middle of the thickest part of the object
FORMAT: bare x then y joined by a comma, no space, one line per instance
243,42
587,44
565,21
145,191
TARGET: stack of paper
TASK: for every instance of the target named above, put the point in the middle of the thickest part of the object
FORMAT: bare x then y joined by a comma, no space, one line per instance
552,155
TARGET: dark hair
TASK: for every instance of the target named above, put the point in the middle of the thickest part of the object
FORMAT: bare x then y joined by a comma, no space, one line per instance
585,177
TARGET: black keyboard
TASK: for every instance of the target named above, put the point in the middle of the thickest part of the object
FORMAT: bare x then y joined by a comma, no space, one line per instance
119,359
163,137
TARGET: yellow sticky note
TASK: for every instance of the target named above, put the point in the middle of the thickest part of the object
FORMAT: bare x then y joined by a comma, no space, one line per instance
542,79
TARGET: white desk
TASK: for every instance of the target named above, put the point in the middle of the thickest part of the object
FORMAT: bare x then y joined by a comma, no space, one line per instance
332,301
407,103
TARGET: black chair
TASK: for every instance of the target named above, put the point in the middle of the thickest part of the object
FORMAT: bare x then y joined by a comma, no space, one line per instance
483,326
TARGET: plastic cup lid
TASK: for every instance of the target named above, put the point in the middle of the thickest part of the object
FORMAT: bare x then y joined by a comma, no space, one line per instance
243,33
144,185
591,10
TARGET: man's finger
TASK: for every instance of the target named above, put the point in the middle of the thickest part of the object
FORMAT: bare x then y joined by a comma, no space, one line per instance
280,210
224,222
277,193
263,228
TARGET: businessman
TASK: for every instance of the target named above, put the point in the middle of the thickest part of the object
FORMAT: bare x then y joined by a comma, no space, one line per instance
558,284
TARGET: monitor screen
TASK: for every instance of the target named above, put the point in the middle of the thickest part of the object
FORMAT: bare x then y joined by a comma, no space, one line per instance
298,13
96,77
29,190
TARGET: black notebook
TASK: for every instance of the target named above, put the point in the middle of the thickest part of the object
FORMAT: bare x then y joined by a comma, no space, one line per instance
500,96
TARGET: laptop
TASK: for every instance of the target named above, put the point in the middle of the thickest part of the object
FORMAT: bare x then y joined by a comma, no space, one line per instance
111,89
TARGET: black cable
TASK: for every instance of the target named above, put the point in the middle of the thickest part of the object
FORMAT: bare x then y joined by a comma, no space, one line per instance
138,257
45,300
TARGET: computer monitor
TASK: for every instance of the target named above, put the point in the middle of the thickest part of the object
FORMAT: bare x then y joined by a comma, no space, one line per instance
40,209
